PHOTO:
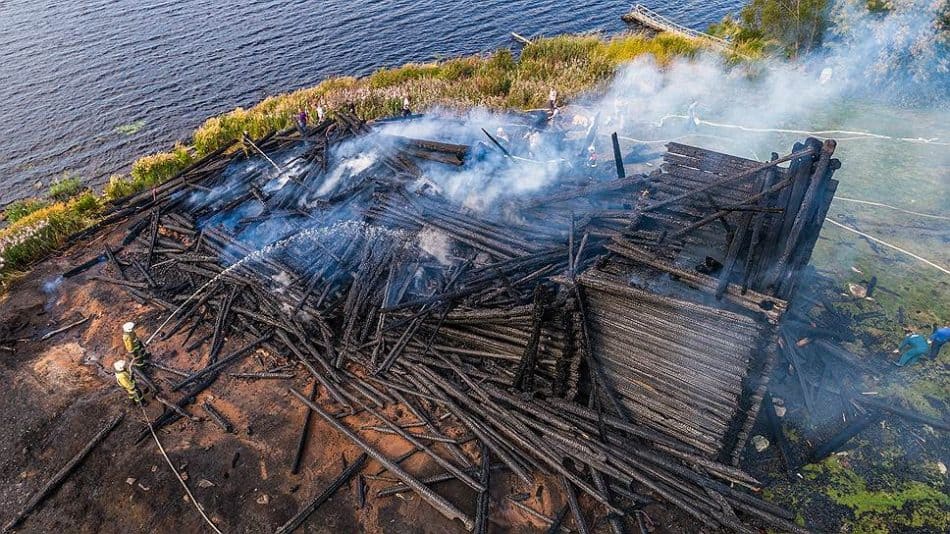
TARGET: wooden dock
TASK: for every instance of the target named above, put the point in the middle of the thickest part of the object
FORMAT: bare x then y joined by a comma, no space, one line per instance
648,18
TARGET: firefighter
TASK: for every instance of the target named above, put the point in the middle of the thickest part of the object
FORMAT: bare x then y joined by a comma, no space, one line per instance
133,346
552,99
938,339
124,378
406,110
591,156
916,346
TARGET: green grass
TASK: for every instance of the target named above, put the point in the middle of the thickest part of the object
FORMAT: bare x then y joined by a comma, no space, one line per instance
573,64
21,208
148,172
897,505
35,235
65,188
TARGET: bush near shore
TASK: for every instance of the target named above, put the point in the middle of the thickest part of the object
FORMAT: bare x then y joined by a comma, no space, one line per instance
571,63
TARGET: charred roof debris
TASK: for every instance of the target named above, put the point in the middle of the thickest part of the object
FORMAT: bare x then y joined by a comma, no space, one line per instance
616,330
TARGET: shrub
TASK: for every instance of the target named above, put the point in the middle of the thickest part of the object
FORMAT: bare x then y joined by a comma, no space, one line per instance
150,171
117,187
398,76
86,204
457,69
34,236
21,208
65,188
795,25
562,49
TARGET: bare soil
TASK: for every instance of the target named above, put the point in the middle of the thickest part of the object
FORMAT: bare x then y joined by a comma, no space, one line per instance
60,392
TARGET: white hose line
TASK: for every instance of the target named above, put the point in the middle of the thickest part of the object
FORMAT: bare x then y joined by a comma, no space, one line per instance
820,133
886,244
279,170
178,476
671,139
888,206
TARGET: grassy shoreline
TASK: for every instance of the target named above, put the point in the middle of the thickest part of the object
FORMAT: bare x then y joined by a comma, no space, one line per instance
574,64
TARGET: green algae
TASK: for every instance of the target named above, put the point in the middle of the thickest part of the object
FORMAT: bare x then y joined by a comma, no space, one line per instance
894,505
131,128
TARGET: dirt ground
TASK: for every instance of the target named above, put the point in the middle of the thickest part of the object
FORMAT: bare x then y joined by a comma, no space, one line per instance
61,391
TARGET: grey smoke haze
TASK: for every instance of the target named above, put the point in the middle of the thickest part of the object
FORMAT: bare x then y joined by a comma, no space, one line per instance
853,90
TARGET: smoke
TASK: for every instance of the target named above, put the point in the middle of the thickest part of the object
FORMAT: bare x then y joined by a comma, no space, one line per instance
904,53
349,167
51,290
436,244
855,89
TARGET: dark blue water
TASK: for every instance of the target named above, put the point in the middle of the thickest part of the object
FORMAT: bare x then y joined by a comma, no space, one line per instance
72,72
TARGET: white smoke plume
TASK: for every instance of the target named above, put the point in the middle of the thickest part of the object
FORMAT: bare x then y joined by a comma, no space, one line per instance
856,89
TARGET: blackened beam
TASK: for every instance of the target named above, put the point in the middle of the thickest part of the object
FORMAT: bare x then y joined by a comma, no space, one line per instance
482,501
725,211
600,187
217,366
426,144
843,436
815,189
735,245
304,432
437,501
497,144
729,179
62,474
344,477
618,157
906,414
218,417
434,479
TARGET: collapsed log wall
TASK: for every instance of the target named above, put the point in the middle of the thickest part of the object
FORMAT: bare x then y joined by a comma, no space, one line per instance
763,243
612,353
678,366
687,370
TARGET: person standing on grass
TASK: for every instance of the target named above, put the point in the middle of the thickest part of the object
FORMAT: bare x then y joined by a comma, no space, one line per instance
406,111
591,156
552,100
301,120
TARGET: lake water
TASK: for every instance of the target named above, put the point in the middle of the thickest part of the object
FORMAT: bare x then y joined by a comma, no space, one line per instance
89,86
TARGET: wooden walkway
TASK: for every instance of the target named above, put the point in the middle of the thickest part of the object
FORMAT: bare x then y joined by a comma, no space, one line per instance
646,17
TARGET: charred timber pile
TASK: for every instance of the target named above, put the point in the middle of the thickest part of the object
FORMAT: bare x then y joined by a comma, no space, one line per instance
616,333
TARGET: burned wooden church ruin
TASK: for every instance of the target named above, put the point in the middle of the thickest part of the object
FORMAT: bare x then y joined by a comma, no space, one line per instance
616,332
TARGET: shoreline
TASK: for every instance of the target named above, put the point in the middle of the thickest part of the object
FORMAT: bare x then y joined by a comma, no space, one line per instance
575,64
